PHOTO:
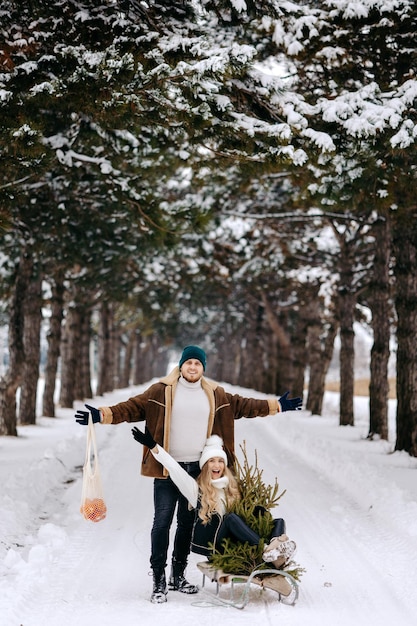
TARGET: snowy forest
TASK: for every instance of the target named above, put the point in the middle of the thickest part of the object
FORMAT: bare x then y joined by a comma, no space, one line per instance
238,174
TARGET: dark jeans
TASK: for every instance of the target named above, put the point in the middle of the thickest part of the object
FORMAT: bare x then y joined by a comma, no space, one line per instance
233,527
166,498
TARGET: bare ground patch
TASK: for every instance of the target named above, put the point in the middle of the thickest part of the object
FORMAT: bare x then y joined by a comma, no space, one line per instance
361,387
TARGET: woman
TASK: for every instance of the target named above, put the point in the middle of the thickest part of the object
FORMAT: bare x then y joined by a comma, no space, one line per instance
211,495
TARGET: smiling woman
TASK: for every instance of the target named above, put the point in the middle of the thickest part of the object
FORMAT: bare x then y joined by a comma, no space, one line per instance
212,495
216,467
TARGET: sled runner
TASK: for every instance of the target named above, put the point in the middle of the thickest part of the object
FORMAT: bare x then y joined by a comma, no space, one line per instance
277,580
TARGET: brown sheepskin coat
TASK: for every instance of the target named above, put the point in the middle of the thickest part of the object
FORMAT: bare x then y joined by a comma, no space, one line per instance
155,406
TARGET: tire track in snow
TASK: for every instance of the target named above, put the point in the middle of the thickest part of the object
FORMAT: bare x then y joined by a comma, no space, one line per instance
100,575
48,596
352,560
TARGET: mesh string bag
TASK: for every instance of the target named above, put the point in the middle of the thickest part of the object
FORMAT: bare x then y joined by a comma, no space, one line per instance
93,507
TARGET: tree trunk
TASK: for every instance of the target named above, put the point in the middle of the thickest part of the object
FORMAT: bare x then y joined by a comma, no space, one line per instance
224,364
308,328
139,359
54,340
71,338
320,351
379,300
215,362
232,362
160,358
346,308
222,367
236,357
405,251
118,349
31,340
126,366
246,361
12,378
106,350
299,352
273,374
257,352
150,359
82,386
284,376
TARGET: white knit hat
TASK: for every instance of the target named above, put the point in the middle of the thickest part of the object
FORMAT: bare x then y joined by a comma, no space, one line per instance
213,448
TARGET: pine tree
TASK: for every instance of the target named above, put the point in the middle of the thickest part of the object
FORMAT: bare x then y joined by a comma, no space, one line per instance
254,507
257,498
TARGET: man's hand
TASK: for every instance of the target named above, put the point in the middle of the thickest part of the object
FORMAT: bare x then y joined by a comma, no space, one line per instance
145,438
290,404
82,416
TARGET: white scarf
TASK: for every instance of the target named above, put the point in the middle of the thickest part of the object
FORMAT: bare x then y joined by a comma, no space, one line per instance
221,484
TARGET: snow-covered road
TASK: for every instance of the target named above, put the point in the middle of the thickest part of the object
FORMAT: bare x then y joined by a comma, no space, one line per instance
350,506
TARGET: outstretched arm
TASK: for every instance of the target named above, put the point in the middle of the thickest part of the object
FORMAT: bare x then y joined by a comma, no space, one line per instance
185,483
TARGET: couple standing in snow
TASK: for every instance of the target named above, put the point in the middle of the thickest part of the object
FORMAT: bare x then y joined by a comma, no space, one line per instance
183,411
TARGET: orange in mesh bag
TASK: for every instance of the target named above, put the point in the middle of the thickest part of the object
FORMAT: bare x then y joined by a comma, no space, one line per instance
94,510
93,507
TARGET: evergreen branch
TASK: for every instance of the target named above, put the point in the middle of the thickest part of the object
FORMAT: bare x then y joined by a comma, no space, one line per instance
147,218
304,217
257,499
19,181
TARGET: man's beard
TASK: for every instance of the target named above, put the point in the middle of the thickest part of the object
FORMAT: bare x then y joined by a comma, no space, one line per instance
193,380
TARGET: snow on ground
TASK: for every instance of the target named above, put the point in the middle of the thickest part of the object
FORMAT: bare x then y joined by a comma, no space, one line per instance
350,504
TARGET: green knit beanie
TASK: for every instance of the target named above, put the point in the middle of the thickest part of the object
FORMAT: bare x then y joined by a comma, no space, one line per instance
193,352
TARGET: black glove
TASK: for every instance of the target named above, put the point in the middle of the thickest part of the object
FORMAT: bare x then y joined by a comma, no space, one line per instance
145,438
82,416
290,404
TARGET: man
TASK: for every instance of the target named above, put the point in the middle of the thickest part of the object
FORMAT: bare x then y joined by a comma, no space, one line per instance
181,411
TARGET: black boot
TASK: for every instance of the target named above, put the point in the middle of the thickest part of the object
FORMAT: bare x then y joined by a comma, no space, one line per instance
278,529
159,591
177,580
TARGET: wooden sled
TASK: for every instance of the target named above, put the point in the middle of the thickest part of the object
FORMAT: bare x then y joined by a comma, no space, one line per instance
277,580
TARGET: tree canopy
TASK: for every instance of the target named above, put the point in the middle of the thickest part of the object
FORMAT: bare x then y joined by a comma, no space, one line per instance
216,170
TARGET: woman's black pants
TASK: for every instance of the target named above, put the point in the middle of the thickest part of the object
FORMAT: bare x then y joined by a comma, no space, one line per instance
233,527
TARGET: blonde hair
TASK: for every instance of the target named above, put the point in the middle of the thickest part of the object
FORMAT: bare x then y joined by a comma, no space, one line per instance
208,493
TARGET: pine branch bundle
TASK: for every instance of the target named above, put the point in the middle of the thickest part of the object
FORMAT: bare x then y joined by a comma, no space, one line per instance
257,500
238,558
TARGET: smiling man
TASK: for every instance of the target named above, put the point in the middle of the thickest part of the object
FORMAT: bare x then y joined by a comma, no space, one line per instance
181,411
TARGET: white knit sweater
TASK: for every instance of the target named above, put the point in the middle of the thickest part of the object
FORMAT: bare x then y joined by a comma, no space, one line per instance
189,421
